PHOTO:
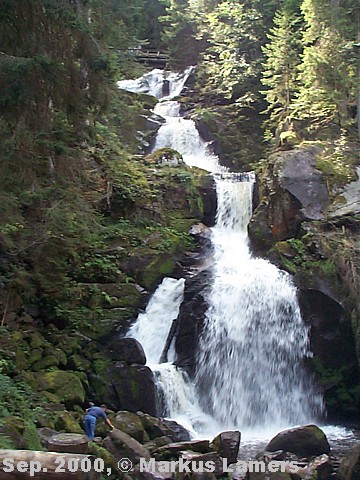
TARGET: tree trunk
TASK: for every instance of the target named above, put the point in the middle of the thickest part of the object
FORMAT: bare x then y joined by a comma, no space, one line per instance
45,465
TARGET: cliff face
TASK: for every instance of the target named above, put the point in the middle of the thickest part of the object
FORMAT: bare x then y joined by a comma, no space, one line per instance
307,222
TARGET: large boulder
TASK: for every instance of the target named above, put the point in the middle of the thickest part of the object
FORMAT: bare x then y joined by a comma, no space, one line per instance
305,441
350,196
155,428
130,423
121,445
127,350
295,191
63,385
174,449
134,386
227,445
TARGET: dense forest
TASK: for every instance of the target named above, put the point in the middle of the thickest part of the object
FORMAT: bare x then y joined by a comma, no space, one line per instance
89,223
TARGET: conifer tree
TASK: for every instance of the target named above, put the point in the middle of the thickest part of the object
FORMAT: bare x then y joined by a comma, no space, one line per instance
327,72
233,31
282,58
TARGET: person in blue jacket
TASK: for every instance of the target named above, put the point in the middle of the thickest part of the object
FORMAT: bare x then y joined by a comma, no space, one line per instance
91,415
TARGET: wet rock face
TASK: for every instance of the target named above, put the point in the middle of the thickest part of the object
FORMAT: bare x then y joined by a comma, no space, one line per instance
296,191
298,176
134,387
305,441
191,319
274,221
127,350
333,343
331,335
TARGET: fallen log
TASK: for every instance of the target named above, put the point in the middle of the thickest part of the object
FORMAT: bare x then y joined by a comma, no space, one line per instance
25,464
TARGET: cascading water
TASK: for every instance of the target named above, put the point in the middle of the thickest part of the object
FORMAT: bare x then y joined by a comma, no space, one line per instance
249,367
152,327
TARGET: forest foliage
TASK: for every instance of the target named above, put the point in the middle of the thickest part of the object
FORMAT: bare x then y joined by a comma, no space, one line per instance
266,70
305,53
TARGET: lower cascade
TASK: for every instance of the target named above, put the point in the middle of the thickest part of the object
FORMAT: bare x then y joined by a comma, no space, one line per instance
249,370
249,367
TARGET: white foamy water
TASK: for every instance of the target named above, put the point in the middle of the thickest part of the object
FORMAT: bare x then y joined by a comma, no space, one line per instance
249,367
152,83
153,326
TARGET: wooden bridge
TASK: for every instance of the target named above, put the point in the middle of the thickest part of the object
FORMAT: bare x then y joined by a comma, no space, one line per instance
150,57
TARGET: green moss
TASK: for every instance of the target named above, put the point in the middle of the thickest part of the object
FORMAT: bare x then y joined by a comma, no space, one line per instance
164,156
46,362
161,266
296,257
63,384
337,162
338,396
19,407
67,422
31,437
6,443
101,452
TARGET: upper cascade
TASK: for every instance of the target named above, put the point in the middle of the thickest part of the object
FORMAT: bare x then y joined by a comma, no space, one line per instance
158,83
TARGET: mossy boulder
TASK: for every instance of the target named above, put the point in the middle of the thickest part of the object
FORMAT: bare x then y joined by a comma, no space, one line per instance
79,363
65,386
165,156
35,356
45,362
60,355
20,432
127,350
12,432
67,422
134,386
131,424
153,426
100,452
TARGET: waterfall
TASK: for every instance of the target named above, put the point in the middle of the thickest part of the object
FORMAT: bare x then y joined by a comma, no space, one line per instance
249,366
156,83
152,327
249,369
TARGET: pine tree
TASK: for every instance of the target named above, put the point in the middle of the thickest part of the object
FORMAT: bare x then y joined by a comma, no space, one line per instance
327,72
233,32
280,68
